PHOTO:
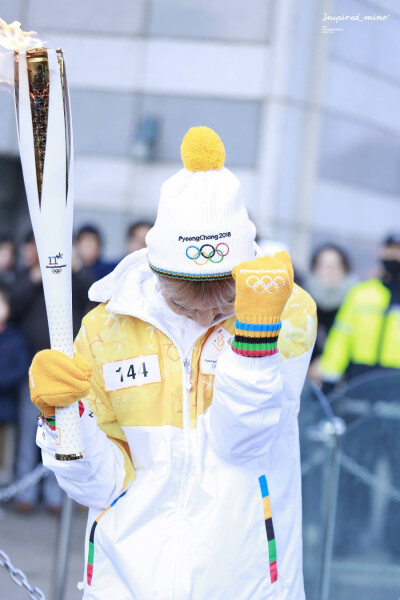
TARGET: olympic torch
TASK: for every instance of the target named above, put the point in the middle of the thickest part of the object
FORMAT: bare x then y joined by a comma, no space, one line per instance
45,141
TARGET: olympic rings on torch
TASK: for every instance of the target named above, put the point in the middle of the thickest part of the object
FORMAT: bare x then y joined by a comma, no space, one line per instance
265,284
206,253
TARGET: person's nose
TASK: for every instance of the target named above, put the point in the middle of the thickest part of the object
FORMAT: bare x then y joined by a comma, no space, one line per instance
206,317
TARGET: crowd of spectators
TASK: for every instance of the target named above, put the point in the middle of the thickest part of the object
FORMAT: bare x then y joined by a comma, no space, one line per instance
359,322
356,363
24,331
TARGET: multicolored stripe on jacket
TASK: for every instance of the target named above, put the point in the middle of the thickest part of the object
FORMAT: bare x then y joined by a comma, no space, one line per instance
273,570
89,570
256,339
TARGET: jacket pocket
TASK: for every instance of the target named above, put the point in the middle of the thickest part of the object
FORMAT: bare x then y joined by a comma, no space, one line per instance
269,526
89,566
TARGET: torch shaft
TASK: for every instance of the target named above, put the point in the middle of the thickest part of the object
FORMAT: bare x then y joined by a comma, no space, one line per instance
44,126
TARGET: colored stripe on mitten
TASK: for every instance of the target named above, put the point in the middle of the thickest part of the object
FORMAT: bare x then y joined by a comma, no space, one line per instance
256,339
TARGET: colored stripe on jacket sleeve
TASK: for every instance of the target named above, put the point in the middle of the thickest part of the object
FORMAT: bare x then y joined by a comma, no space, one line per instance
89,569
273,570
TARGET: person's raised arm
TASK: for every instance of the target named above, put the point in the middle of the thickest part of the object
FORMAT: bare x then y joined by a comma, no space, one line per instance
248,389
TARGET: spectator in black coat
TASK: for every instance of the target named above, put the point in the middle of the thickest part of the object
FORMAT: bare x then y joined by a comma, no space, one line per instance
7,260
330,279
14,363
89,244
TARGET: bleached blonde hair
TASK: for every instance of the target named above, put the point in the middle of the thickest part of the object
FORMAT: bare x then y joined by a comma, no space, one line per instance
221,292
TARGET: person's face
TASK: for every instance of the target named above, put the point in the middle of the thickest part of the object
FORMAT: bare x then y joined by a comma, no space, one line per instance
29,254
137,239
391,252
4,310
329,267
89,248
7,256
203,311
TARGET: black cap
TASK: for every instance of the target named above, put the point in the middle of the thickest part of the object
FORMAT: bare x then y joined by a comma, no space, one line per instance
393,238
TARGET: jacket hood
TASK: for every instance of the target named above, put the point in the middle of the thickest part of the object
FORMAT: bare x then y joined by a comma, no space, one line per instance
123,288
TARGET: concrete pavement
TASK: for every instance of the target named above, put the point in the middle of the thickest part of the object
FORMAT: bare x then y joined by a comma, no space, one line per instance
30,543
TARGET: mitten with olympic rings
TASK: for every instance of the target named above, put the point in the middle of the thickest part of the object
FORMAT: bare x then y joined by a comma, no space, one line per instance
263,286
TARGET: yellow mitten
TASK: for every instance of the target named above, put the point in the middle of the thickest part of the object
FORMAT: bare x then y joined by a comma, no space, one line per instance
263,286
55,379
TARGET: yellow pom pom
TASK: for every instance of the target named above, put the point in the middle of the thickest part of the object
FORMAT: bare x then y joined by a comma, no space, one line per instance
202,150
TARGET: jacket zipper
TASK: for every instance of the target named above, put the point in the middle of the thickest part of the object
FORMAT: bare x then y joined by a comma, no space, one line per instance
187,371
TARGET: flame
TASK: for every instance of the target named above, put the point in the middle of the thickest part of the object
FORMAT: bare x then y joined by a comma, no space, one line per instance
12,37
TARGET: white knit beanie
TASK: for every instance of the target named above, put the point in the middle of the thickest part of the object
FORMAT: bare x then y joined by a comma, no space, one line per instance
202,228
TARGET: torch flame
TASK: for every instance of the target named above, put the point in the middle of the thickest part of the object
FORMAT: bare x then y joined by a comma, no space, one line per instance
12,37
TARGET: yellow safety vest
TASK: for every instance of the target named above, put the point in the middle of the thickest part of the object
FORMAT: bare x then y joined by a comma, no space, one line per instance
365,331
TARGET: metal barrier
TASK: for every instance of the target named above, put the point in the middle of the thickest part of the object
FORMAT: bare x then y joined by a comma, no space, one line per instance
63,539
351,489
19,578
7,493
38,473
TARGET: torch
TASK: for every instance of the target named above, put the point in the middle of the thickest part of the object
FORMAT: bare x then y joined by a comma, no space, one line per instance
45,141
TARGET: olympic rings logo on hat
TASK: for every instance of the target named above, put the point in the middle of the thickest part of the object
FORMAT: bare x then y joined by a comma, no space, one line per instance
206,253
265,283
